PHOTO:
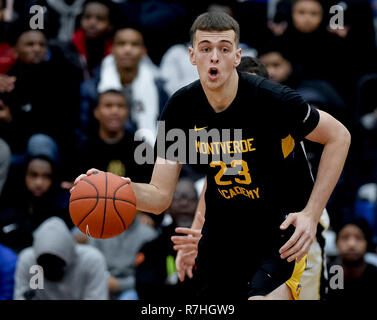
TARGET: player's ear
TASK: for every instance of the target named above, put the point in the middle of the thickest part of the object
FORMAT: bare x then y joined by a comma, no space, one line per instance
192,56
237,59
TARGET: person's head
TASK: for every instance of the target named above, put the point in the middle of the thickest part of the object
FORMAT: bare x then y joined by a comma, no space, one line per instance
278,67
128,48
31,47
184,203
253,66
111,112
54,249
96,19
53,266
307,15
353,239
214,48
39,176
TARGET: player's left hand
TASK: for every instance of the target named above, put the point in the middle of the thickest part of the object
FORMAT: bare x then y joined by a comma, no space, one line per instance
305,231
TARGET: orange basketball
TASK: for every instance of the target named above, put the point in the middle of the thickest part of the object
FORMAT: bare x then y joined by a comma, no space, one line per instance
102,205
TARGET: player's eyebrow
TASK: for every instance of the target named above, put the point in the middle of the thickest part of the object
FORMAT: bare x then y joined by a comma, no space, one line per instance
207,41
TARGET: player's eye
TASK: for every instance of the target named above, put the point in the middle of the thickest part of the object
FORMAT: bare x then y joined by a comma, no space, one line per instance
205,49
225,50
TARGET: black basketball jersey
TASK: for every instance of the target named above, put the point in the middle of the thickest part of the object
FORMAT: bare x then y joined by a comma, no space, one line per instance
247,154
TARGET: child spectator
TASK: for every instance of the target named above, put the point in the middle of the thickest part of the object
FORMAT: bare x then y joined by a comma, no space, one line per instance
70,271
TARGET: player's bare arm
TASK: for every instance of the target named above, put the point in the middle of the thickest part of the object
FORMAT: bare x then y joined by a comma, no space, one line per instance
156,196
336,140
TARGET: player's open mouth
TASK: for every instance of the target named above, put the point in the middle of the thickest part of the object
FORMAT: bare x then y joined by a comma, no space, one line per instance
213,73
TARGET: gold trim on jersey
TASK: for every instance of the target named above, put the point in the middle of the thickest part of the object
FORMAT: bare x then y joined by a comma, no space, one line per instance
294,281
287,145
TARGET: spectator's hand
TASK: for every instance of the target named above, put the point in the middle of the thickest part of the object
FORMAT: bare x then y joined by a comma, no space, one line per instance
303,237
113,284
6,83
187,247
88,173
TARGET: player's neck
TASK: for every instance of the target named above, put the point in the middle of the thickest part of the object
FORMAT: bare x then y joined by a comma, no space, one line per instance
222,97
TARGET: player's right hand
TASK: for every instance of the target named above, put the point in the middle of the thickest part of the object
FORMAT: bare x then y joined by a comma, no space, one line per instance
88,173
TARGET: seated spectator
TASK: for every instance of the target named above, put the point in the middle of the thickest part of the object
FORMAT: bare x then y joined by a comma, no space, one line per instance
127,71
358,32
311,49
93,39
360,278
45,98
156,274
279,68
8,260
111,147
317,91
70,271
121,283
31,195
4,163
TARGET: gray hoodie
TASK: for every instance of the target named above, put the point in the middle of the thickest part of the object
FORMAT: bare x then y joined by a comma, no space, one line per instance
85,276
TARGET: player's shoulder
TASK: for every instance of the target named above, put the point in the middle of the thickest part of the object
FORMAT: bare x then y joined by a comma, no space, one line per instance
265,87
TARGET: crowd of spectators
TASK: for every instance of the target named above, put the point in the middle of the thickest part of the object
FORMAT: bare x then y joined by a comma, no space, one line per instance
80,79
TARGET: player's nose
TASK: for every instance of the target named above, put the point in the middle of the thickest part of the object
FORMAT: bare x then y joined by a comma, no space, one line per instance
215,56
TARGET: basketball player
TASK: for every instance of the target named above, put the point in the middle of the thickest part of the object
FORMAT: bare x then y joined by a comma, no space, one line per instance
314,277
256,232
